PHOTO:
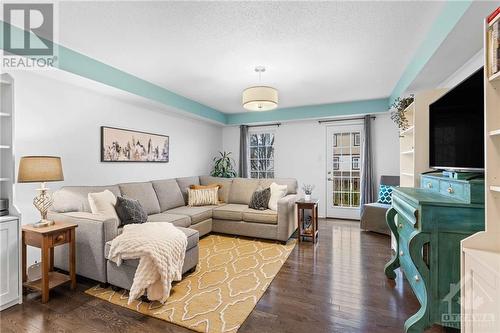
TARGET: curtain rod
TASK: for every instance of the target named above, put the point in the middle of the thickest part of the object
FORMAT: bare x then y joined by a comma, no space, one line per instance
342,119
265,125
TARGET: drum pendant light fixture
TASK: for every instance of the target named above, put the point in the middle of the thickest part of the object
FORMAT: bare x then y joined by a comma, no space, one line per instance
260,98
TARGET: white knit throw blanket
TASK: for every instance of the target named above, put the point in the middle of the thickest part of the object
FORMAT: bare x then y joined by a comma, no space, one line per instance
160,248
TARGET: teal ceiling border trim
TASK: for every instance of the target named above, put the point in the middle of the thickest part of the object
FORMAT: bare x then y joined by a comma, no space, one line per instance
451,13
82,65
311,112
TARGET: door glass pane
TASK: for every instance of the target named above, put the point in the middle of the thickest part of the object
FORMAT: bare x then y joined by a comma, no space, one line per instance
346,171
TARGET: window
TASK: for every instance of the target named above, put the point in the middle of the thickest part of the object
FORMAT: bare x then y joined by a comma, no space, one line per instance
356,160
261,154
336,163
357,139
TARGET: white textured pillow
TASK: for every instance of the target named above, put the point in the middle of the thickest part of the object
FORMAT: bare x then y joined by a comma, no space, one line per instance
203,197
277,192
103,203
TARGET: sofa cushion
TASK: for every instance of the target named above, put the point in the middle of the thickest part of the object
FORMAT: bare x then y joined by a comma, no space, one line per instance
130,211
260,199
177,220
169,194
103,203
75,198
242,190
291,184
224,182
385,194
203,197
277,192
143,192
229,212
184,184
192,238
267,216
197,214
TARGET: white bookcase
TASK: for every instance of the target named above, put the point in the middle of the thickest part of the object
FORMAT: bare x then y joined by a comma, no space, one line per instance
10,226
480,255
414,141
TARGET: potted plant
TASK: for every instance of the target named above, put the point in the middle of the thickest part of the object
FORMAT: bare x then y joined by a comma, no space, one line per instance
398,113
307,188
224,166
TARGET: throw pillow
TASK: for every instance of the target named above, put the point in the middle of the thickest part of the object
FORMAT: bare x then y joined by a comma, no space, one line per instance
385,194
203,197
130,211
260,199
277,192
103,203
203,187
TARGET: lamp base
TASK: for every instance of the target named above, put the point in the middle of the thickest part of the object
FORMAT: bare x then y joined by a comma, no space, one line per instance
43,223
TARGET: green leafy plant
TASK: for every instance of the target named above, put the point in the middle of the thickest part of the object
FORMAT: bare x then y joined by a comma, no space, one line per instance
224,166
398,113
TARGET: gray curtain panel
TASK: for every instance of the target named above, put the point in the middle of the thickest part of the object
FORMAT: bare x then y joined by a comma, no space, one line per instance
367,189
243,169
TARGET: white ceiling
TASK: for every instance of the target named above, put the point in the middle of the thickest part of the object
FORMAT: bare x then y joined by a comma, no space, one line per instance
314,52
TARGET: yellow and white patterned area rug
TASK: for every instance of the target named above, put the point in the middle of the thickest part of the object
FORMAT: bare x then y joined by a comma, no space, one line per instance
231,276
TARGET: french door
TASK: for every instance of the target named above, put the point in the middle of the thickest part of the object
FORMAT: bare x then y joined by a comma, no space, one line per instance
344,162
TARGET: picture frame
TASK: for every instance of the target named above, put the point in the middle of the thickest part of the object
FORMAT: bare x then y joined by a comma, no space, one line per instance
126,145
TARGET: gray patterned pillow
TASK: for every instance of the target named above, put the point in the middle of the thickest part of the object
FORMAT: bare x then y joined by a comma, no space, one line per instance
130,211
260,199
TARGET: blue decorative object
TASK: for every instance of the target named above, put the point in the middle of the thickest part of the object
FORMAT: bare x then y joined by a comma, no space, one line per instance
385,194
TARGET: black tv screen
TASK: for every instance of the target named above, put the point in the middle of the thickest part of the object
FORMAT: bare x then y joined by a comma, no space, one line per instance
456,133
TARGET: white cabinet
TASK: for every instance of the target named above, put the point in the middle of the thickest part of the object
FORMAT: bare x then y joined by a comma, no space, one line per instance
10,226
10,285
480,293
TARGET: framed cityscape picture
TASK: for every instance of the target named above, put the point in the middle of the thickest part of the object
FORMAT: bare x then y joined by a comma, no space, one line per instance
123,145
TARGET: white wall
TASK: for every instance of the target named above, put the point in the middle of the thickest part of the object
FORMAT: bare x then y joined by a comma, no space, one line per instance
300,151
54,117
472,65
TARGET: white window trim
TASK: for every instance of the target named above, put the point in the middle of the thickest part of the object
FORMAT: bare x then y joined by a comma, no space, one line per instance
261,130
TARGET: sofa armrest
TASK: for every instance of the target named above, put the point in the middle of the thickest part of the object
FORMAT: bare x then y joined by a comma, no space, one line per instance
287,217
93,231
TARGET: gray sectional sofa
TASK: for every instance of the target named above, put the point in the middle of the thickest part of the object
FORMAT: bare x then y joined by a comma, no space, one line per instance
165,201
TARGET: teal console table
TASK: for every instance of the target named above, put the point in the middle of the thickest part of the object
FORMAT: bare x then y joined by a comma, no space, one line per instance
429,223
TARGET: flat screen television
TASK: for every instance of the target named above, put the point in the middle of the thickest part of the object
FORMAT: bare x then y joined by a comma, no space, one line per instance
456,133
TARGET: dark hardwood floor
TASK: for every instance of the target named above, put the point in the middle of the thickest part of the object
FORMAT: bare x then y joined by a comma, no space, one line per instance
337,285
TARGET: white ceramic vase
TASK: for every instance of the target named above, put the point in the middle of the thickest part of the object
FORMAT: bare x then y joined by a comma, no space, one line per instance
307,197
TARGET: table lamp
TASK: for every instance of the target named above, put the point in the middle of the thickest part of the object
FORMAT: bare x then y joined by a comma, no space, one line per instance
41,169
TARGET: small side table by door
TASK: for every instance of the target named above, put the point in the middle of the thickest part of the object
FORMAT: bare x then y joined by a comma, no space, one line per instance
312,230
46,238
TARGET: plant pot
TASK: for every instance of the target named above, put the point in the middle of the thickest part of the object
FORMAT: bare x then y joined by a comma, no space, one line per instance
307,197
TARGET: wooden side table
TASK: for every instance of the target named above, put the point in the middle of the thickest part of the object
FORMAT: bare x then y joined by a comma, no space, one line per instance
46,238
312,205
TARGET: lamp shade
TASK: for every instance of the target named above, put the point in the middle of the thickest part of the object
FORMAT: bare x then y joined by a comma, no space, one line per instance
40,169
260,98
